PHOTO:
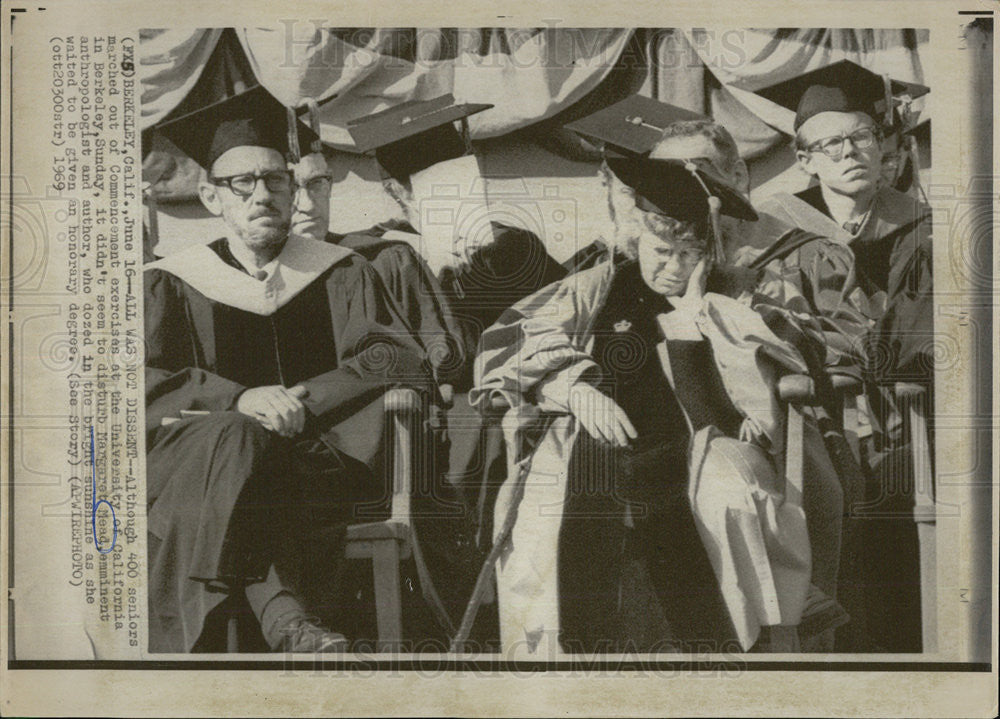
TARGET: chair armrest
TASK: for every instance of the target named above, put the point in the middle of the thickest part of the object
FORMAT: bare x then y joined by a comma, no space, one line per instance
401,400
909,390
845,384
402,410
797,389
499,403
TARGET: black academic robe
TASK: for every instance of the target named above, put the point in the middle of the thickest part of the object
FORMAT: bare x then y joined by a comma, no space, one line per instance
892,265
225,497
515,265
417,294
441,518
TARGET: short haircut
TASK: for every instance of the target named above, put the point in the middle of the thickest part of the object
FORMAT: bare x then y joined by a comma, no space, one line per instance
729,152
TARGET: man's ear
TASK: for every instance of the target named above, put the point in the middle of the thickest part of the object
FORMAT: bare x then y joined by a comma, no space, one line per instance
741,176
398,191
805,161
209,196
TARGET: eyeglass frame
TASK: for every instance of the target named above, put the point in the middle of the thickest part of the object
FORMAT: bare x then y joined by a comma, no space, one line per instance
876,133
227,182
305,185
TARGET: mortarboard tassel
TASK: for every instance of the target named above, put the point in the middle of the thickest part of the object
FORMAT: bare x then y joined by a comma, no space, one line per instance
293,135
716,250
887,86
313,107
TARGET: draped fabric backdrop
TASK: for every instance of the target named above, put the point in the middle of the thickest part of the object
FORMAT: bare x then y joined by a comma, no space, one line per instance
537,78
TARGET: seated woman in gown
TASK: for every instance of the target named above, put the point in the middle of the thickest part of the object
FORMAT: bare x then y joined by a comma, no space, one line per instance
643,433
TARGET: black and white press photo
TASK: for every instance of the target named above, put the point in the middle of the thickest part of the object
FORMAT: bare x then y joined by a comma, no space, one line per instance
656,406
366,359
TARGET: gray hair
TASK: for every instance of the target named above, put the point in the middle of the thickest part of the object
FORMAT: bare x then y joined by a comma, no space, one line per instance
666,226
721,139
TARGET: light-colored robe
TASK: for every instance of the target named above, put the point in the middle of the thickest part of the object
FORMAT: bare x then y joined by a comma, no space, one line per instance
754,531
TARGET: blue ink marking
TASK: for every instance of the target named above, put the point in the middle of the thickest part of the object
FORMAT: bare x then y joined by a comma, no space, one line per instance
99,502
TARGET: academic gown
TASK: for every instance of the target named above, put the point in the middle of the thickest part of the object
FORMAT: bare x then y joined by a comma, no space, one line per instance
475,293
892,260
872,290
227,498
515,265
441,518
626,549
417,294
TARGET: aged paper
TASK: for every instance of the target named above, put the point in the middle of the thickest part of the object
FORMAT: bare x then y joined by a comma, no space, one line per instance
87,83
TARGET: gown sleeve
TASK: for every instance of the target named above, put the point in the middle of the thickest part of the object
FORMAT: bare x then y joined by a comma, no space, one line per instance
423,307
173,380
536,351
375,347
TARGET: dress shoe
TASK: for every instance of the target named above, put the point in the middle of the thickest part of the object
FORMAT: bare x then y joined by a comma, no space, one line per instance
303,635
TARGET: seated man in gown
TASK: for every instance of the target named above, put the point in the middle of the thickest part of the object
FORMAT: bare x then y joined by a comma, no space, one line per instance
870,281
405,274
430,168
647,514
259,346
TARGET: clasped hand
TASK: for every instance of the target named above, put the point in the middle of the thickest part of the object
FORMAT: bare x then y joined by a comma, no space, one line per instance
277,408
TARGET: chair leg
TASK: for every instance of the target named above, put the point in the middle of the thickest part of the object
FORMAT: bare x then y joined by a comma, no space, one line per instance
388,608
924,514
233,634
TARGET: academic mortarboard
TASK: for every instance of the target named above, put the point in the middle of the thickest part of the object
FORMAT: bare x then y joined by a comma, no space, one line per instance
633,125
413,136
679,188
843,87
687,190
253,117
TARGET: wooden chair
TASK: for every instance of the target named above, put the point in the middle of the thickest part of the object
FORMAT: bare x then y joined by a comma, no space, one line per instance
388,542
913,401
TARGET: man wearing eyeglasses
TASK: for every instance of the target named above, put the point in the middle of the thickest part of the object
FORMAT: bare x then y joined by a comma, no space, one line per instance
865,263
259,346
311,211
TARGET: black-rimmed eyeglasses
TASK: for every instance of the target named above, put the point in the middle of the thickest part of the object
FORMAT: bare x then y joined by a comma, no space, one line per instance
244,185
317,186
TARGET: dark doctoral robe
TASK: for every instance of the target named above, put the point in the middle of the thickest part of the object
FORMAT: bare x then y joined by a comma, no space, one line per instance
477,290
872,291
891,252
514,266
227,498
621,549
648,586
417,294
474,294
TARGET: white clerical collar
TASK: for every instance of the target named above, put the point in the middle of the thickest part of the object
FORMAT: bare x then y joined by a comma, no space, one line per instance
300,262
